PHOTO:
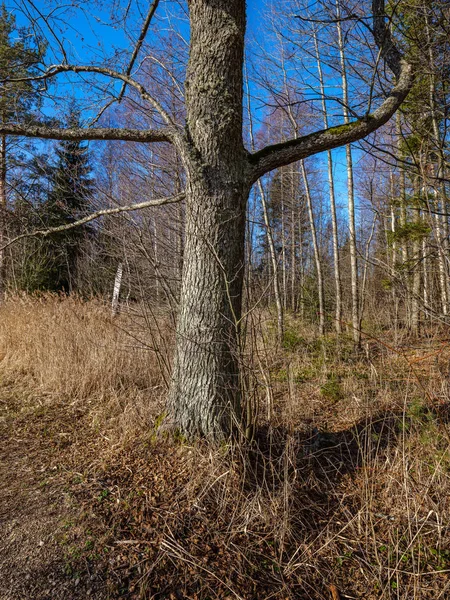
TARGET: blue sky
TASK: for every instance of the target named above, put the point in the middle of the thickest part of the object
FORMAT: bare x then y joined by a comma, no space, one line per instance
89,37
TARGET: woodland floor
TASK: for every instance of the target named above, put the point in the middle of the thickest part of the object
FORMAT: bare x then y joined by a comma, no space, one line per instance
38,445
346,495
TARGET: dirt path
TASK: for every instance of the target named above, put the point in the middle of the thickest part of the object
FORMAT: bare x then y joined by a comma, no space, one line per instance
35,503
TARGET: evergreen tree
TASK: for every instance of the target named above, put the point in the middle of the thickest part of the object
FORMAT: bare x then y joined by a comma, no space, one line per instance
19,58
71,188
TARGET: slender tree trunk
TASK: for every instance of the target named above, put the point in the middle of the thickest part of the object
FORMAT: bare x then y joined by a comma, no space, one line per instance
415,295
270,240
394,260
274,263
317,260
156,260
403,216
426,293
394,255
283,241
116,290
441,220
334,224
301,293
366,268
205,392
351,193
441,256
293,245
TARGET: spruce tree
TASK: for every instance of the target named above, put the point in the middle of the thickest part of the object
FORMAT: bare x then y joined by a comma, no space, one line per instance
71,188
19,58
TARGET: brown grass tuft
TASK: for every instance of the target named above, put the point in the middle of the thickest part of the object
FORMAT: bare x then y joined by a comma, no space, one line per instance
72,351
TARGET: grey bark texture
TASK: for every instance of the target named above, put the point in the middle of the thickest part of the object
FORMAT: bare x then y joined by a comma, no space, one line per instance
205,392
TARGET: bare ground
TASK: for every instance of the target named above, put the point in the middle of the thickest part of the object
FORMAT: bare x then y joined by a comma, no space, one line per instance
35,506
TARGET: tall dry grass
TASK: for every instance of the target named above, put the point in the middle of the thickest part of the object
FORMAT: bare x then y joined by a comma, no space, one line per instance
72,351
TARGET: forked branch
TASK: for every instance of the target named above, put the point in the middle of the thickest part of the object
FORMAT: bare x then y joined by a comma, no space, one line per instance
55,70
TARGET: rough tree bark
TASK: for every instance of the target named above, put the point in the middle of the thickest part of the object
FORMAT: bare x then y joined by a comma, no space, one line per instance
205,392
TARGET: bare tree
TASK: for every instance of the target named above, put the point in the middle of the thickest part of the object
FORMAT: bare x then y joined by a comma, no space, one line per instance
356,319
205,394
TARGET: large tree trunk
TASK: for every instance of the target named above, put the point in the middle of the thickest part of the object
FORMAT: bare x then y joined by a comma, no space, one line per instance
205,392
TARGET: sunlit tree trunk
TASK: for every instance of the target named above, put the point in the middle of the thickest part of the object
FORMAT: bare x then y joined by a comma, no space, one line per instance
205,391
3,207
301,291
274,264
394,259
337,273
319,272
426,293
403,216
442,230
416,256
351,191
283,239
293,244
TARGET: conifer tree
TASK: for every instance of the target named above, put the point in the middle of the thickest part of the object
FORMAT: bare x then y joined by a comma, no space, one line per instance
19,58
71,188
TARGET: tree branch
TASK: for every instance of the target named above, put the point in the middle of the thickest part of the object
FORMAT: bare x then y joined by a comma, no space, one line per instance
94,133
107,72
96,215
138,46
277,155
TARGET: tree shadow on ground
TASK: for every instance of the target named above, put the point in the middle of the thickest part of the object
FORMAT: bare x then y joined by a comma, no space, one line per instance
318,472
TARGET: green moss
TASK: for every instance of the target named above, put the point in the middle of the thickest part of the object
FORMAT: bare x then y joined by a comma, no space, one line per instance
332,390
159,420
346,128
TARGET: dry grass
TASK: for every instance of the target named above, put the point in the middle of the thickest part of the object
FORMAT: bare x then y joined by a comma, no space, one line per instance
71,351
345,490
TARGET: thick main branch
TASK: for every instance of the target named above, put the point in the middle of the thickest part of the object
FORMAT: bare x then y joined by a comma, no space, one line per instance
81,133
276,155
